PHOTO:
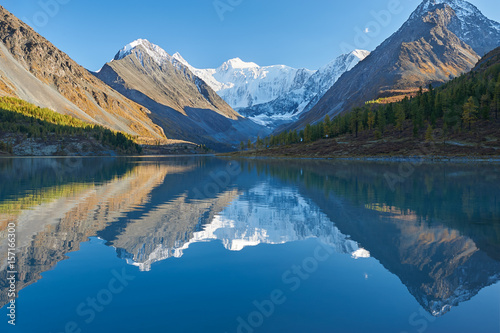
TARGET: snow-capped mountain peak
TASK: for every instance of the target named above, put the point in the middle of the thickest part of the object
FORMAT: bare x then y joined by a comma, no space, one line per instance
360,54
129,47
461,7
271,95
177,56
277,91
468,23
242,84
346,61
158,54
237,63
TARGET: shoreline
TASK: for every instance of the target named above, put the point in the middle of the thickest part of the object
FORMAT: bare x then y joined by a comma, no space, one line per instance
417,159
412,159
105,156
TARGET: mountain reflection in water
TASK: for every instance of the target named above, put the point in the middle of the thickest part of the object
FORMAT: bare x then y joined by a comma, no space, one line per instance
438,231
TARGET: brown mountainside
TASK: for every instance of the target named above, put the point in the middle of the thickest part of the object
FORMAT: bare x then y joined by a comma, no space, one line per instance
33,69
171,84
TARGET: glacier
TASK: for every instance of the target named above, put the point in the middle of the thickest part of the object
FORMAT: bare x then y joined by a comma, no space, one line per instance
243,84
288,107
273,95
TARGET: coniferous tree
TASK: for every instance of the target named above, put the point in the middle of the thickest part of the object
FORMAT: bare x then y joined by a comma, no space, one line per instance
497,97
307,133
355,118
485,107
381,120
451,118
469,112
400,117
328,125
428,134
371,120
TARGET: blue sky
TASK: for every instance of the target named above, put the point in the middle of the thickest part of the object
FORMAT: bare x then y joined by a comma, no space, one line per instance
297,33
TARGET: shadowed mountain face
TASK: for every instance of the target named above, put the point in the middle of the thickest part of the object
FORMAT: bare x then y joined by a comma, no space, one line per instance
490,59
437,231
432,47
33,69
181,103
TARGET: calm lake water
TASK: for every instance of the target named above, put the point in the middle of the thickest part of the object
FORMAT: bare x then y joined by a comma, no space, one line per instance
202,244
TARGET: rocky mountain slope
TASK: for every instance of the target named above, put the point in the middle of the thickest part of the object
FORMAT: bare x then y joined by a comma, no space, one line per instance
33,69
181,103
430,48
469,24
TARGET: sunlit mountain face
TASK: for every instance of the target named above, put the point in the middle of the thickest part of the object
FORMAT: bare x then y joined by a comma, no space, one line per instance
437,229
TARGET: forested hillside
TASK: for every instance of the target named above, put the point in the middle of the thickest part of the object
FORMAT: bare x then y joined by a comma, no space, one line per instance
26,129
